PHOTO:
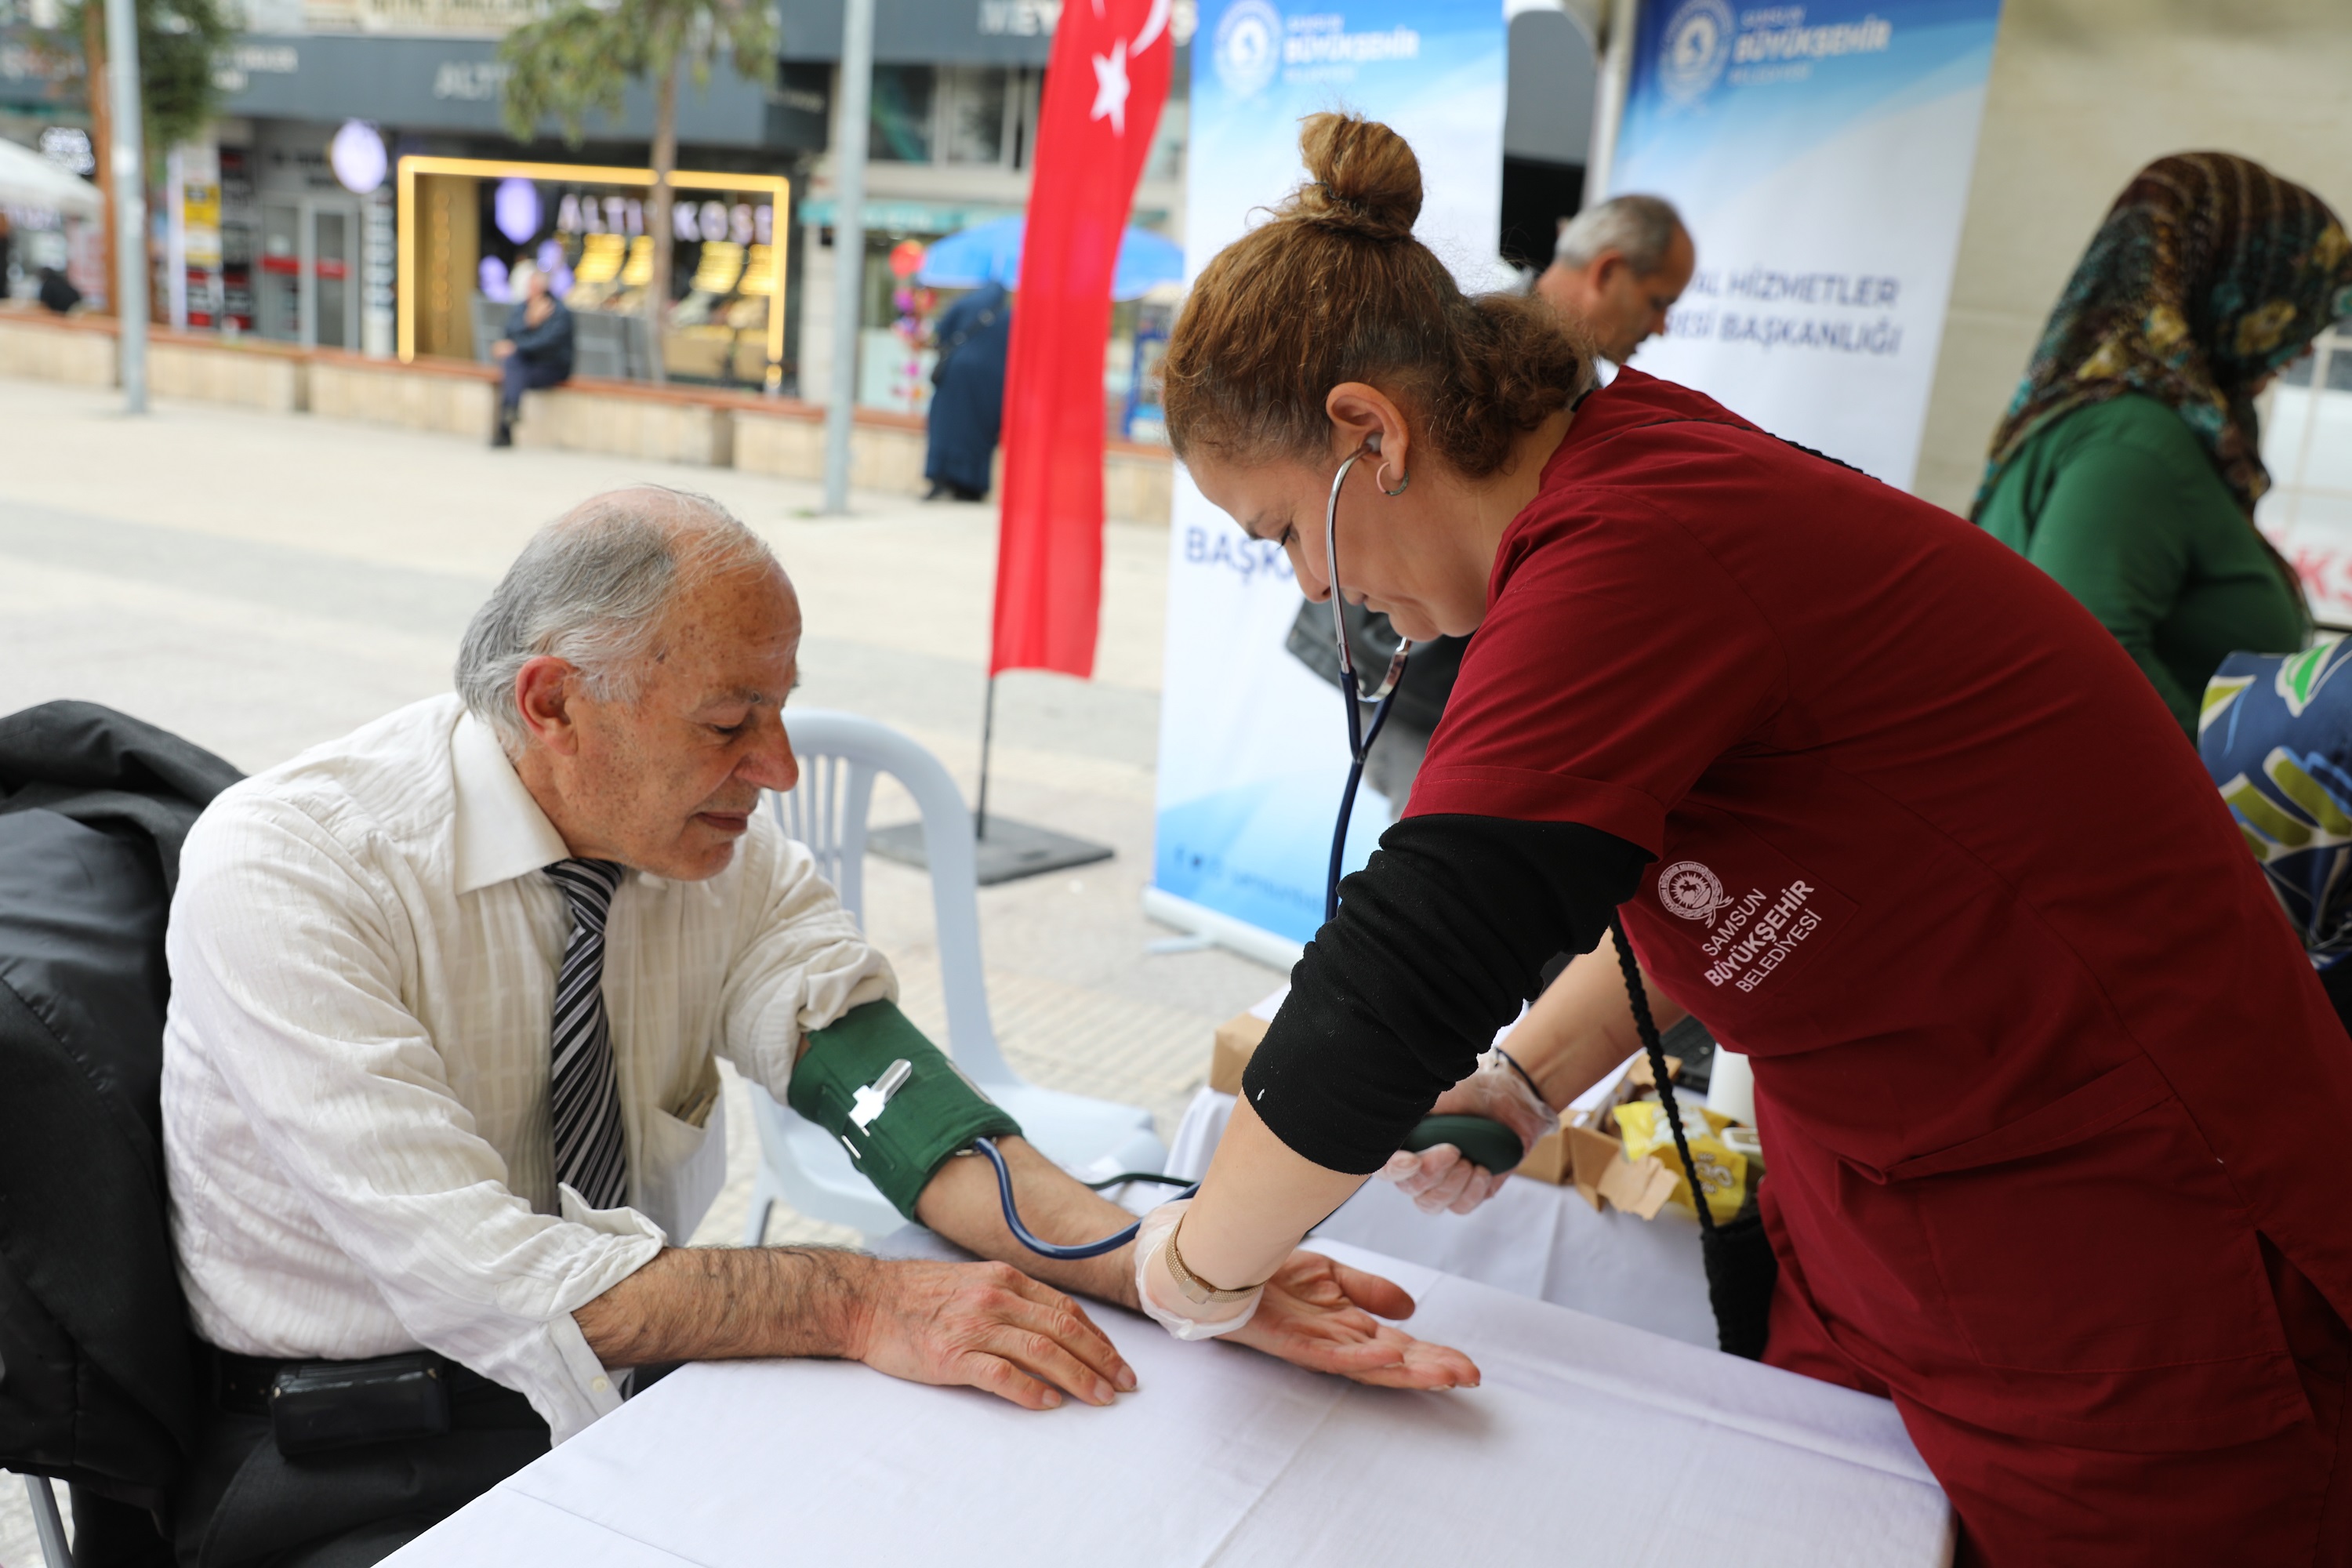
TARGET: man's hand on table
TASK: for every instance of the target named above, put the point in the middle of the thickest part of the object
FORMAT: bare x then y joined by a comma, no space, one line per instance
1320,1314
982,1324
988,1326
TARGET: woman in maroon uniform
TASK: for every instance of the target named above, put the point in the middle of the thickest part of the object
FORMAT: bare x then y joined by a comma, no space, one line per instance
2051,1097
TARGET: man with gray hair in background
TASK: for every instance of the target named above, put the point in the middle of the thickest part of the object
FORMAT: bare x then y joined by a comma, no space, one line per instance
439,1075
1618,267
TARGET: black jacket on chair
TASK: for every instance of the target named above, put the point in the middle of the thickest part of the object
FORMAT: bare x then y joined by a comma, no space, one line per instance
96,1379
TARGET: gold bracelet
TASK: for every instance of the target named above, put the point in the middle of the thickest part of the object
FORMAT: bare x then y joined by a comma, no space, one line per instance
1197,1290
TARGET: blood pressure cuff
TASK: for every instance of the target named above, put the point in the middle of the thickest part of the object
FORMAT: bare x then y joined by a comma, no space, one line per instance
933,1113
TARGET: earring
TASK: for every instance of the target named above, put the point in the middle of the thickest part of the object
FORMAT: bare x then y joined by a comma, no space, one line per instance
1402,480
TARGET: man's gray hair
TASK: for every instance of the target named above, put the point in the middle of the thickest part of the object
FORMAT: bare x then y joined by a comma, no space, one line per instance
1639,228
591,588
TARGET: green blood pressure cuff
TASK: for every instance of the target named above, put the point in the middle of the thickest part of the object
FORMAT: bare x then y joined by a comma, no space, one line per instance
901,1141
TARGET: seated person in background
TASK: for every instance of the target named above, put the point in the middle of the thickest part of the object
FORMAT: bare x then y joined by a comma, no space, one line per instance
446,998
535,352
1617,269
2129,462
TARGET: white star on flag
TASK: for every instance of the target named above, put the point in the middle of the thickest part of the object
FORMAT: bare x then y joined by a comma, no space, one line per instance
1110,88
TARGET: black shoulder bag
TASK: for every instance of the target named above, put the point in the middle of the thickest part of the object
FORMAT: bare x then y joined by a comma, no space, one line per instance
981,323
1740,1269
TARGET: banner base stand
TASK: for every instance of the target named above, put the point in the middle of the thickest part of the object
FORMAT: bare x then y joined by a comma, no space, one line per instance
1005,851
1236,936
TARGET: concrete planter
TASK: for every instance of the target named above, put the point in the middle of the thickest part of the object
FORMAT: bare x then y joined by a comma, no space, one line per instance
453,399
622,419
703,429
243,374
45,348
787,439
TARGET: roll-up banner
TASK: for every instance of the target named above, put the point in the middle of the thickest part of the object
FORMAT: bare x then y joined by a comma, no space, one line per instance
1252,747
1820,156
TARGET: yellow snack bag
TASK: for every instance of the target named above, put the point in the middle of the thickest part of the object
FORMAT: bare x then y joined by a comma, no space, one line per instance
1722,1169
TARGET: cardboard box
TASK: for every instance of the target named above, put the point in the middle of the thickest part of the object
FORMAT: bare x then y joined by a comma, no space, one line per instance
1237,1041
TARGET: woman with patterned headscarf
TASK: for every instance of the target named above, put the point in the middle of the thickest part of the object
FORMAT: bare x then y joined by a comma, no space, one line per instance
2129,463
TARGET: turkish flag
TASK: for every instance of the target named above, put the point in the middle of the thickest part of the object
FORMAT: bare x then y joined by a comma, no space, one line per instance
1104,88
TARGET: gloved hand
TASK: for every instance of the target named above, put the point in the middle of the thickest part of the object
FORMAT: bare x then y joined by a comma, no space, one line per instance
1155,1288
1439,1178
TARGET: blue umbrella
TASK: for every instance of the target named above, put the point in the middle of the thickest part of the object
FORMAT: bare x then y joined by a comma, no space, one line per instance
990,253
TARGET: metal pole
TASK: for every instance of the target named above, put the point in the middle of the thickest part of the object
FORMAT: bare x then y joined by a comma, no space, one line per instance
1616,74
848,240
987,734
131,269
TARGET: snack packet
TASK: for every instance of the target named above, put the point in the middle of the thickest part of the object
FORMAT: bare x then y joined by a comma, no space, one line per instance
1722,1170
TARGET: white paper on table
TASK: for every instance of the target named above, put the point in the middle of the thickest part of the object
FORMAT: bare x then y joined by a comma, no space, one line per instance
1655,1451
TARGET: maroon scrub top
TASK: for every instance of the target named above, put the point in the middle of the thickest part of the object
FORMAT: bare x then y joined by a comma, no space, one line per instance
2039,1062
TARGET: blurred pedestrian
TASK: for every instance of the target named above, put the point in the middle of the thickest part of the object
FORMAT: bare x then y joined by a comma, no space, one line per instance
968,393
58,294
1617,269
535,352
2129,462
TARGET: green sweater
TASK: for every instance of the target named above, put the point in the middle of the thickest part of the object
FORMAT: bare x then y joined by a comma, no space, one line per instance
2120,504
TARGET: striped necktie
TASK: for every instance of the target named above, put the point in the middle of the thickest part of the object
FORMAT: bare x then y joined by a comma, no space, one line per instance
585,1097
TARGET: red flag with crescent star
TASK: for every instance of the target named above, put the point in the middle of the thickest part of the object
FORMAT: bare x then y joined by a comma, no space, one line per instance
1105,84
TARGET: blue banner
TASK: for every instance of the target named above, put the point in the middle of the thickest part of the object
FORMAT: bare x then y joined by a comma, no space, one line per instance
1252,747
1820,156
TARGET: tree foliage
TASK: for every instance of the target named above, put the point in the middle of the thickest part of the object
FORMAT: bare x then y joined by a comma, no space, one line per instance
576,60
180,43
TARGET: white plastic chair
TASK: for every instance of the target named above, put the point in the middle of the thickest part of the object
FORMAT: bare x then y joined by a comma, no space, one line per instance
840,753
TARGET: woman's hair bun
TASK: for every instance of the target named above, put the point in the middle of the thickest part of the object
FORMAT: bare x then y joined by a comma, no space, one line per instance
1365,177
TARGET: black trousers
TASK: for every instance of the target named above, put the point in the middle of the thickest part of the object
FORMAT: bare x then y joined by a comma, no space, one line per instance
241,1504
518,375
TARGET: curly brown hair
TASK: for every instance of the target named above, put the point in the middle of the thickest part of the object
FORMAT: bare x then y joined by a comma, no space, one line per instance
1335,289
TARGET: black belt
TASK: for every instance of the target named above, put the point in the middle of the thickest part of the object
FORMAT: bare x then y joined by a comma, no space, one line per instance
241,1383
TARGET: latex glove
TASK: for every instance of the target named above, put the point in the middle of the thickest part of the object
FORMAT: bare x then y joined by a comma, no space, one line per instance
1439,1178
1155,1286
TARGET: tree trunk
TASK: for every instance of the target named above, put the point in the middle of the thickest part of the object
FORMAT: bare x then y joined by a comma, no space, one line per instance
101,139
657,215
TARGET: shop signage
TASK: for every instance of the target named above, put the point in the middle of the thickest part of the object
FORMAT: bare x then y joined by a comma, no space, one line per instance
449,84
602,210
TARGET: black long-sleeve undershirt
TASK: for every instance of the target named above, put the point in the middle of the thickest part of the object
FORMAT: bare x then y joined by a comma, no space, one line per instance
1439,939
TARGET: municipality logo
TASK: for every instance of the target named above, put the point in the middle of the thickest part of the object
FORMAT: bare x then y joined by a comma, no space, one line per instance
1691,891
1696,48
1248,47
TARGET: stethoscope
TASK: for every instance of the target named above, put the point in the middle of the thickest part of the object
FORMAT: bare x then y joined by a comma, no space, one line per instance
1379,699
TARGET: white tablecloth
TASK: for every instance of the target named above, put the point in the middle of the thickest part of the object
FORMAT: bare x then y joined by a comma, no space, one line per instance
1590,1442
1531,1238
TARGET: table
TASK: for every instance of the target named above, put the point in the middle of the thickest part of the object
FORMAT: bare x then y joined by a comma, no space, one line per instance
1531,1238
1589,1442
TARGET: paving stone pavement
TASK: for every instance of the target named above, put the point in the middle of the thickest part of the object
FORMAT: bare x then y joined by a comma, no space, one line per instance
262,583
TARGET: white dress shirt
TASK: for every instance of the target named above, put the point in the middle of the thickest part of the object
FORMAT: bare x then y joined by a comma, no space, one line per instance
356,1060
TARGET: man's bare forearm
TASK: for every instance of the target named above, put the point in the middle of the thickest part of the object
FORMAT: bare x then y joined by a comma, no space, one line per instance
710,1303
961,1203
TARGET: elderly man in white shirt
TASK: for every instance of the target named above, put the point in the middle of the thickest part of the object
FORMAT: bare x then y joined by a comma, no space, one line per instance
448,996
